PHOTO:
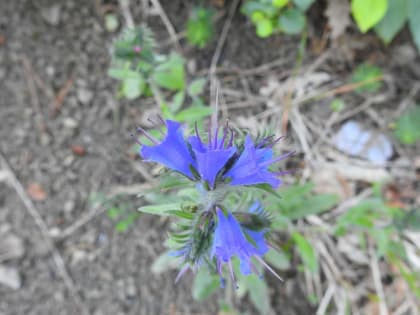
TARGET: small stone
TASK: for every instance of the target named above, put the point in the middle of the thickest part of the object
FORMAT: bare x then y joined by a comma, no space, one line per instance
192,66
69,206
130,288
84,96
45,139
68,160
11,247
70,123
78,256
10,277
50,71
51,15
54,232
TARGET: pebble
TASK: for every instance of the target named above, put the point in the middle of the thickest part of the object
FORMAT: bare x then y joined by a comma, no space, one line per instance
84,96
9,276
130,288
11,247
51,15
69,206
70,123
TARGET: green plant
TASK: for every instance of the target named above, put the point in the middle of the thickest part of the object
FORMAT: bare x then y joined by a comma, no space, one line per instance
143,72
274,16
374,221
387,17
285,207
117,209
407,128
200,29
368,78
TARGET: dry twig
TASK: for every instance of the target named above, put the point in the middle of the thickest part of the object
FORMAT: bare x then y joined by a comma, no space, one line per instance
219,47
169,27
34,213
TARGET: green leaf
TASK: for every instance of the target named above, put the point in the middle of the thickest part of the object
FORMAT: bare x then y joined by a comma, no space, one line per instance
163,209
122,226
394,20
257,16
414,20
171,74
182,214
118,73
281,3
368,76
313,205
258,293
132,87
337,105
306,252
196,87
292,21
166,111
204,284
269,189
200,28
264,28
408,126
177,101
303,5
408,221
368,13
193,113
250,7
113,212
278,259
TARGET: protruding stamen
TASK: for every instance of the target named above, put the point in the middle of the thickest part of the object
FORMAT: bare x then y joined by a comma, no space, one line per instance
197,133
216,134
231,138
277,159
264,141
147,135
209,136
160,118
281,173
182,272
225,130
268,268
136,140
156,125
276,140
255,270
232,275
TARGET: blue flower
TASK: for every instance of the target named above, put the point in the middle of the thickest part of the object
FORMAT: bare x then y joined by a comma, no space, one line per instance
252,166
172,152
211,157
230,240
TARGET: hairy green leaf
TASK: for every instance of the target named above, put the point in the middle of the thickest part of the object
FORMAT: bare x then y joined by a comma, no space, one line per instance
393,21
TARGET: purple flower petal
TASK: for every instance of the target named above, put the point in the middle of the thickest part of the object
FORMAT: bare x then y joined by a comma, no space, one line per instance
229,240
210,158
251,168
172,152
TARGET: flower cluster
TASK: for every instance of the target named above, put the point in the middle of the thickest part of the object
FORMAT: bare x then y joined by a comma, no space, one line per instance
218,164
